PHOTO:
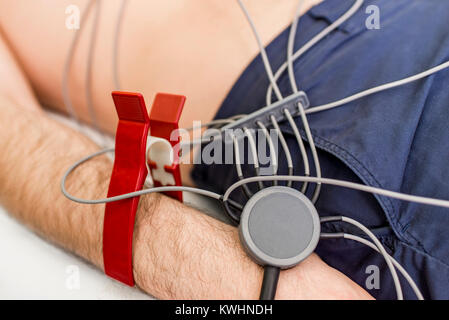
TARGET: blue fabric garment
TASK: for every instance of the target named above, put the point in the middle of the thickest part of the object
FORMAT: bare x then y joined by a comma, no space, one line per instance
397,139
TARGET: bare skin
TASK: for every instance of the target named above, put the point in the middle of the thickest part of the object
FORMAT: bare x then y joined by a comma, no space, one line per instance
207,41
194,48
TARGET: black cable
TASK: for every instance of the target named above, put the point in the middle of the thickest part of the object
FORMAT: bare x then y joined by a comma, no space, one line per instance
235,204
230,213
269,283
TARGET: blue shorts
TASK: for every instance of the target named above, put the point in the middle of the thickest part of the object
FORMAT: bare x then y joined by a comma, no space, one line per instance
397,139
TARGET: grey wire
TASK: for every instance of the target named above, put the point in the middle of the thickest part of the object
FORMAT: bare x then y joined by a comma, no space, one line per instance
377,89
237,116
290,46
253,149
127,195
284,147
89,69
115,58
263,53
316,160
301,148
68,63
344,184
208,124
379,245
314,41
238,166
273,155
211,123
279,97
199,141
250,140
368,243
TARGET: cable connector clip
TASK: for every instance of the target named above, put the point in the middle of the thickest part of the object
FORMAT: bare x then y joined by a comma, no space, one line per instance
163,146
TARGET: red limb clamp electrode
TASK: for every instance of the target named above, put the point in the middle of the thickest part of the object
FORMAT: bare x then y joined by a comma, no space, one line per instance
163,148
130,170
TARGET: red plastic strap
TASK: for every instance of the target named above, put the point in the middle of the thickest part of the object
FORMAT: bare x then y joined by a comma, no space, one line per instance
164,118
128,175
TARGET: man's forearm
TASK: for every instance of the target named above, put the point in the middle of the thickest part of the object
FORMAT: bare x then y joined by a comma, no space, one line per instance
35,151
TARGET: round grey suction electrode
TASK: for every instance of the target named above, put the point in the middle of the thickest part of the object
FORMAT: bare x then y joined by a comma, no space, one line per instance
279,227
